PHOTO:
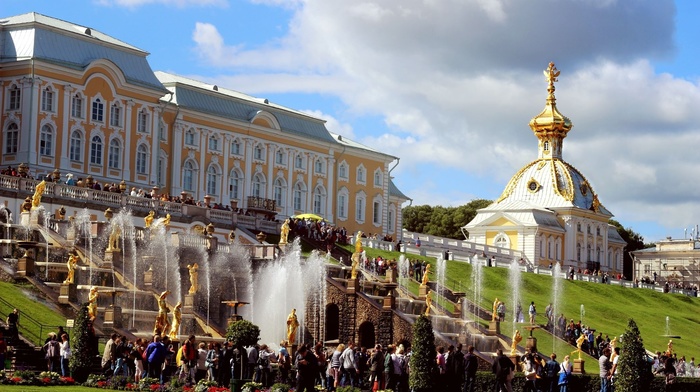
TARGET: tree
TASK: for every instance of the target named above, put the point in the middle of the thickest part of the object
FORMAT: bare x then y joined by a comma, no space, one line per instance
243,333
422,363
634,241
441,221
82,346
634,372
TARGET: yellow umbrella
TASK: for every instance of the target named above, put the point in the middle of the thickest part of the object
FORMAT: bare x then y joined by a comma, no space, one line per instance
308,216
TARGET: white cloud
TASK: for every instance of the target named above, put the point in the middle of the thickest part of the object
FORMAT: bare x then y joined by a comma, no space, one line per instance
332,124
457,82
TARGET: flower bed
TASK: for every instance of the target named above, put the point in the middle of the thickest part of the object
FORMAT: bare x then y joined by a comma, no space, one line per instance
21,377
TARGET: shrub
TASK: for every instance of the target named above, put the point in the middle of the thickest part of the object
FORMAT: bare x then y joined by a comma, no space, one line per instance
80,362
243,333
634,373
280,387
422,363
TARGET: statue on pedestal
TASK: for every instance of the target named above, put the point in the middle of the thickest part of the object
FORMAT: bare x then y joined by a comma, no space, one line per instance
292,325
114,236
284,232
149,219
517,338
92,303
424,282
72,263
428,302
494,316
194,277
356,256
162,324
579,345
177,319
38,191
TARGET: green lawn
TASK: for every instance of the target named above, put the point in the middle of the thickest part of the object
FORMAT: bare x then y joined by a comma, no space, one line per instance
31,305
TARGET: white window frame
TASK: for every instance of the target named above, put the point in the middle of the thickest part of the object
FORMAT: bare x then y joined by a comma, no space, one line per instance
235,147
142,121
279,188
142,155
77,106
319,200
97,112
75,149
361,174
360,207
11,138
189,176
343,171
46,140
343,198
234,184
299,196
114,154
115,115
212,180
259,153
96,144
14,98
213,143
48,103
190,137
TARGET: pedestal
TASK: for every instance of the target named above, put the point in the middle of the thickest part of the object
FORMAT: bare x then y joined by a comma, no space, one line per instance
391,275
188,306
111,257
514,359
423,291
389,302
67,294
113,317
148,278
531,344
353,286
25,266
24,218
494,328
578,366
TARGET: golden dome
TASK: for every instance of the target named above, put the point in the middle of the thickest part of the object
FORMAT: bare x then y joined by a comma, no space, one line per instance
550,122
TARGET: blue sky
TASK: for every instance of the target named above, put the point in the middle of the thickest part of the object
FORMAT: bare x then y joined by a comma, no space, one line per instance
449,86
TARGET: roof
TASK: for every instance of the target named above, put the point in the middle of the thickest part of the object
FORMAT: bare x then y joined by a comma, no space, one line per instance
395,192
212,99
521,213
39,37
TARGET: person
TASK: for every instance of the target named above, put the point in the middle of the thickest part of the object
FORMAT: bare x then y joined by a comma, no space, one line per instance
13,326
155,356
376,368
347,359
65,355
605,366
336,364
265,358
400,363
530,372
285,364
201,362
564,374
441,365
502,367
212,361
188,365
455,368
252,353
613,370
306,370
552,369
108,356
532,312
321,362
501,310
52,350
471,365
292,325
3,351
389,378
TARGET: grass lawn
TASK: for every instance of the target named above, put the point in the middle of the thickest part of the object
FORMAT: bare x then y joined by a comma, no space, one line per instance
30,304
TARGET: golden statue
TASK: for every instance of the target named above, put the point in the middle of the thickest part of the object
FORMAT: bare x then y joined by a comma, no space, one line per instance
166,221
194,277
425,275
162,324
27,205
670,347
38,191
358,242
72,263
113,244
92,303
177,319
149,218
517,338
494,317
355,258
579,345
292,325
284,232
551,73
428,302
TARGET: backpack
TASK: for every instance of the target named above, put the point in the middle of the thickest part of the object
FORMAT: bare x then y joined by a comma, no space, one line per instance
388,364
144,355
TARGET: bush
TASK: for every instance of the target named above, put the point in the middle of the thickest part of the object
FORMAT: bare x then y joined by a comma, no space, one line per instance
280,387
243,333
422,362
80,363
634,367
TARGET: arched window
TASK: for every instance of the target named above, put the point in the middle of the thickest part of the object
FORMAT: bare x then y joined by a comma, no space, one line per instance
545,146
190,139
299,161
378,178
258,185
189,176
319,166
76,146
212,180
96,150
319,200
114,154
234,184
299,195
259,153
361,176
46,141
213,143
279,191
343,203
279,157
142,159
235,147
501,240
11,139
98,111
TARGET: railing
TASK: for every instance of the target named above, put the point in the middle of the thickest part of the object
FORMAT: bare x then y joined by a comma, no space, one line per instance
262,204
28,327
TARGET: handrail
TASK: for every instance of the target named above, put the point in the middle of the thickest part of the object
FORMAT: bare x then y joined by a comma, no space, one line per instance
33,337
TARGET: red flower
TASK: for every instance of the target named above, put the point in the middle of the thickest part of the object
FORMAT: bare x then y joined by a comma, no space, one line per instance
155,387
46,380
101,384
68,380
16,379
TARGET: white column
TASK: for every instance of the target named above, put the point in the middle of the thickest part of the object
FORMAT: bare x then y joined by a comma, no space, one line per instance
289,205
28,135
225,196
155,145
248,171
204,135
127,142
270,159
65,131
310,158
330,190
176,162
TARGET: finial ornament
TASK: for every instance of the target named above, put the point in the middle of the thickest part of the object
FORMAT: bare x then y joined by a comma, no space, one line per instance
551,74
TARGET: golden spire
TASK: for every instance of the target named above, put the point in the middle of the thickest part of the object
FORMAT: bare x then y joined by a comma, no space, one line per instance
550,126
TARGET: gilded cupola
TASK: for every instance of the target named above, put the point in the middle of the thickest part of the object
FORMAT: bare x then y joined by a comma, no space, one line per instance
550,126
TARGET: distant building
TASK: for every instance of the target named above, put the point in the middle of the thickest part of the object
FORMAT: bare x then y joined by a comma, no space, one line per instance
549,210
80,101
672,261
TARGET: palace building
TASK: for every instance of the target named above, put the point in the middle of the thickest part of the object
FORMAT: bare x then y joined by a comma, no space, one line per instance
549,210
77,101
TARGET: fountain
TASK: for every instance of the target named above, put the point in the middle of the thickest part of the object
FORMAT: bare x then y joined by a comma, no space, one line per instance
582,312
556,297
514,280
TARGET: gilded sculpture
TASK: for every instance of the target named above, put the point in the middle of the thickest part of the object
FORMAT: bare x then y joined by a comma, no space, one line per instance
38,191
292,325
284,232
114,236
579,345
424,282
428,302
517,338
92,303
72,263
194,277
177,319
355,258
162,324
149,219
494,316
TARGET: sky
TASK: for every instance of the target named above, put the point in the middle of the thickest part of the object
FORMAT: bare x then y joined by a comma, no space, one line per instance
449,86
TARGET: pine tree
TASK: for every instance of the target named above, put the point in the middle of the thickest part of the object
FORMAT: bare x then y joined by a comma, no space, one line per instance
82,346
634,368
422,363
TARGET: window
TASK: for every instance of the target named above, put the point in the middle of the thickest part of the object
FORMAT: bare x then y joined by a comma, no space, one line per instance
597,230
588,253
234,185
213,143
189,176
47,100
360,209
279,157
319,200
376,212
319,166
14,101
46,141
258,153
141,159
76,146
115,116
96,150
278,190
162,135
390,220
361,175
258,189
378,178
160,170
299,162
142,124
343,171
76,106
550,244
578,252
502,241
212,180
114,154
343,204
11,139
299,196
235,147
578,227
545,146
98,109
189,138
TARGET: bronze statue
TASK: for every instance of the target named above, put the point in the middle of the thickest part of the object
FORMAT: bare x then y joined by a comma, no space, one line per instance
38,191
162,324
27,205
425,275
292,325
92,303
177,319
517,338
149,219
284,232
194,277
72,263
